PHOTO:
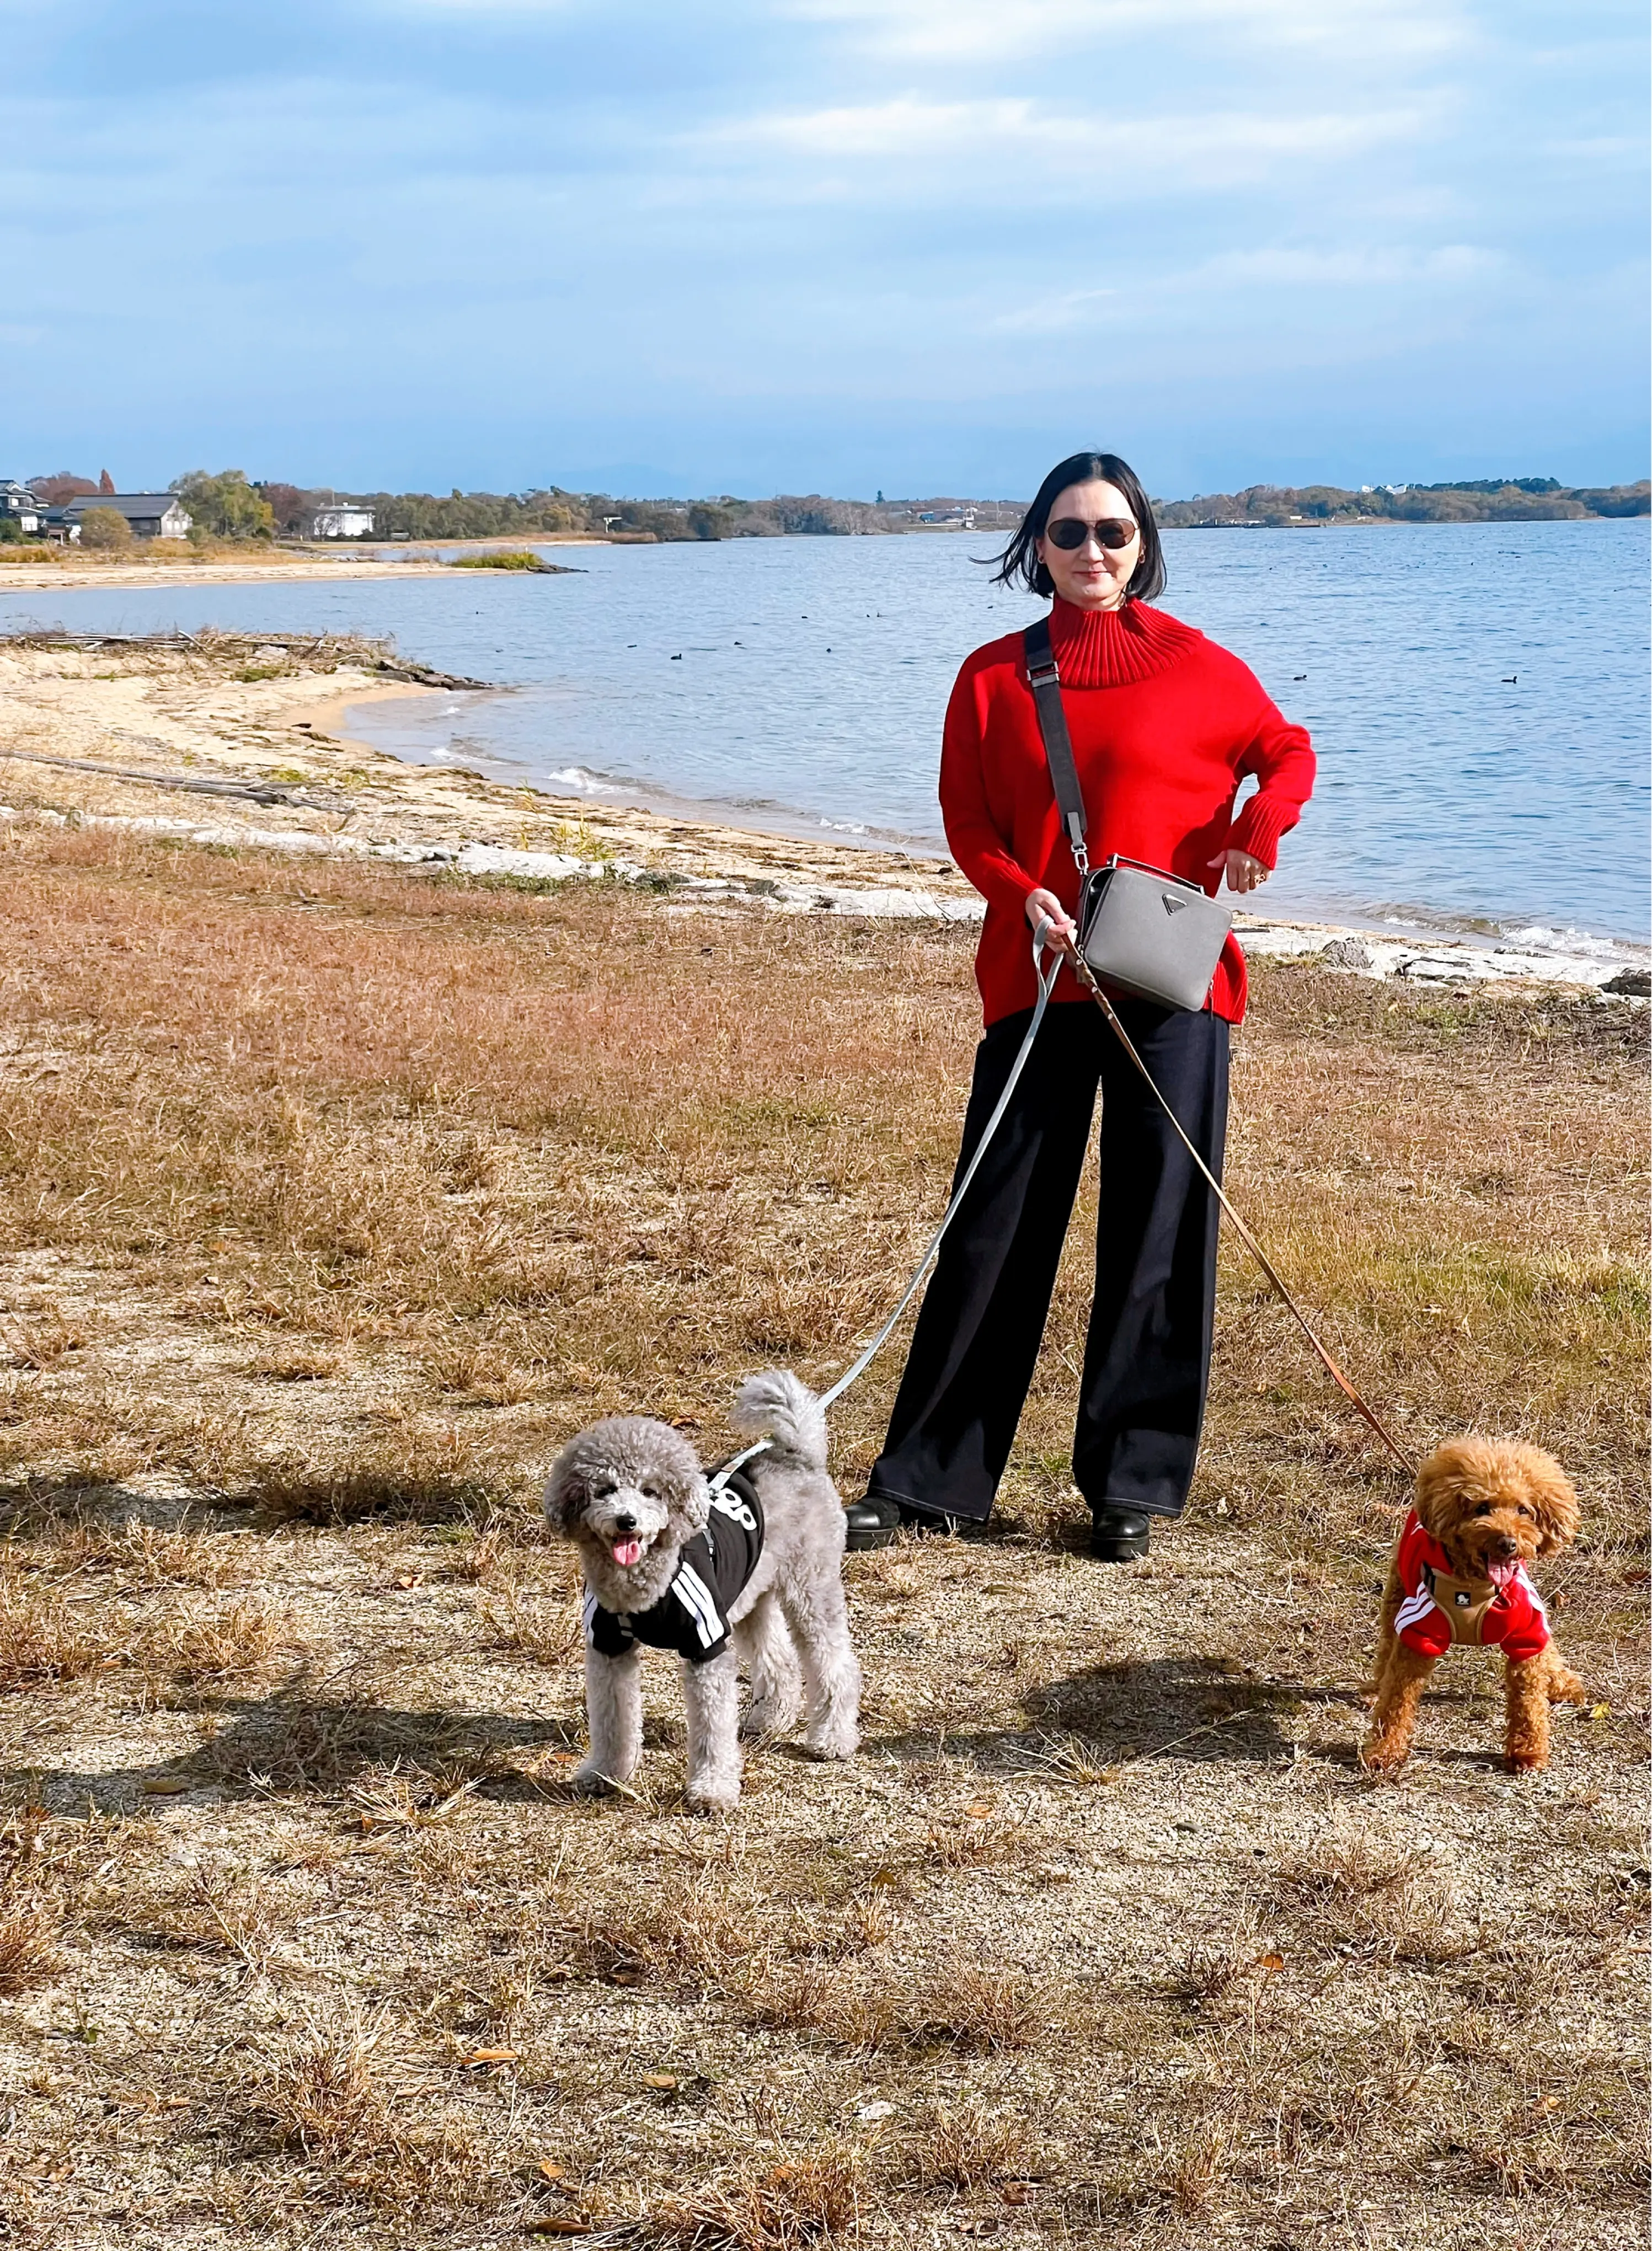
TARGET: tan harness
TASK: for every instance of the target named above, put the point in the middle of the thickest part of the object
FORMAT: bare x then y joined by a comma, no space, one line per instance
1465,1602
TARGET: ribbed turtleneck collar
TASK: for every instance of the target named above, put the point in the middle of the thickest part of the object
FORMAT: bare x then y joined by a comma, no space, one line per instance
1115,648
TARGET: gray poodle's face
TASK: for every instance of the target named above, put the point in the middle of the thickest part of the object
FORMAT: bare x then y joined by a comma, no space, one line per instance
624,1488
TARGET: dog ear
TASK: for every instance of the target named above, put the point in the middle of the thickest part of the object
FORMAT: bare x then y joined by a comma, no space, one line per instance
567,1490
692,1504
1553,1499
1439,1490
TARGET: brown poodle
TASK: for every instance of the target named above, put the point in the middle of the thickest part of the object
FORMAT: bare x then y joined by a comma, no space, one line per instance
1484,1509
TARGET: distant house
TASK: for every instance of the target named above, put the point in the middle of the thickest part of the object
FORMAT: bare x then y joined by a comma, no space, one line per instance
19,505
54,524
152,516
342,520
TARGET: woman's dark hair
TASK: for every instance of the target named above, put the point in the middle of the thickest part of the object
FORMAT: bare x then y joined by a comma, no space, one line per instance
1019,565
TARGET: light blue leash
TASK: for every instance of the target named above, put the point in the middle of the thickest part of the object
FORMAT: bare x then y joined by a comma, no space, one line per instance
1046,983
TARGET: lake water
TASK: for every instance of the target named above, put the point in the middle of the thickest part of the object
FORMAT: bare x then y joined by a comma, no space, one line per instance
1477,693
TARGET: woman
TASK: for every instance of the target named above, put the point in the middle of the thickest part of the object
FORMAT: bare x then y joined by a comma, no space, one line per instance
1165,727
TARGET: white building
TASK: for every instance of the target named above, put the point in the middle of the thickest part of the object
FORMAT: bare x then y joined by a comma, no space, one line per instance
18,503
342,520
152,516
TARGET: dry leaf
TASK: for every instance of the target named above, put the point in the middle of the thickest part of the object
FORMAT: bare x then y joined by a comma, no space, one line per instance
662,2080
167,1785
546,2170
1017,2192
1600,1711
485,2055
980,1812
556,2225
1270,1962
885,1877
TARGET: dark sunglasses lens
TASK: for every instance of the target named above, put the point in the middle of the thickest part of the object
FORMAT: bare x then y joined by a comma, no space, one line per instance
1068,533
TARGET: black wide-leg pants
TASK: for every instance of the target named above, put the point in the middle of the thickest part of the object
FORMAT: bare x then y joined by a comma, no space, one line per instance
1148,1358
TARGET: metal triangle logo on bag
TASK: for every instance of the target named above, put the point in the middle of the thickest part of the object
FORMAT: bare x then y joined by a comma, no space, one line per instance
1173,903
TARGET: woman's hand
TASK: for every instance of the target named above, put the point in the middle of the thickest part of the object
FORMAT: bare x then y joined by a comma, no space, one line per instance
1245,871
1060,931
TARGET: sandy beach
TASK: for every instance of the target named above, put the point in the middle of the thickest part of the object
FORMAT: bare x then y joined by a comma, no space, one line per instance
187,568
127,734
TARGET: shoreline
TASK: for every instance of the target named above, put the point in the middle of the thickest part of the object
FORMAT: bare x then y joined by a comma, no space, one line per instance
1386,929
132,738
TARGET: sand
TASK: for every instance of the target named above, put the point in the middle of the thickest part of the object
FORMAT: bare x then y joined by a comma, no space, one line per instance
208,712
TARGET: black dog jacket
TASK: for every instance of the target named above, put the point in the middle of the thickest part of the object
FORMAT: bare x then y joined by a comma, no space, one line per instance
691,1615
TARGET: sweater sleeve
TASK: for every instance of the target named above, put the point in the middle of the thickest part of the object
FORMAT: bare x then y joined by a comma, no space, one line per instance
1282,757
978,845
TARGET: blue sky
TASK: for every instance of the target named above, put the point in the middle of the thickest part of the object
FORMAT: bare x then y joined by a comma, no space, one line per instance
789,244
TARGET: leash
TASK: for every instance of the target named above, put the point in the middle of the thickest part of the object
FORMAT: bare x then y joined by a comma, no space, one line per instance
1046,985
1087,978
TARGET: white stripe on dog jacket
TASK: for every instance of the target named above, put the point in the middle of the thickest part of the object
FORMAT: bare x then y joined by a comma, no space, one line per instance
691,1615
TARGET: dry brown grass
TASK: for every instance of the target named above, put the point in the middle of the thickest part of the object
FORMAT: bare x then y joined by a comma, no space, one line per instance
27,1947
195,1646
326,1217
812,2198
44,1640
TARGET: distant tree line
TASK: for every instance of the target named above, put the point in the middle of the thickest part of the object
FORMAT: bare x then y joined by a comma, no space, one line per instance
229,506
1486,499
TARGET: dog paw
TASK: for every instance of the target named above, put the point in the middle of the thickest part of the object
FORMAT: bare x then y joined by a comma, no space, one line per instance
711,1796
1525,1762
832,1743
1384,1758
768,1720
589,1781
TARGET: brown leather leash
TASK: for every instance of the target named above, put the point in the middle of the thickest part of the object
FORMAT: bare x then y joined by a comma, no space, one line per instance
1087,978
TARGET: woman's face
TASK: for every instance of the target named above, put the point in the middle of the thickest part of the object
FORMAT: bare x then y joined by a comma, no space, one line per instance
1090,575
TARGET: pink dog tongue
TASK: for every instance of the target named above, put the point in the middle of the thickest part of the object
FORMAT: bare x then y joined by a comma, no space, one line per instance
626,1553
1502,1572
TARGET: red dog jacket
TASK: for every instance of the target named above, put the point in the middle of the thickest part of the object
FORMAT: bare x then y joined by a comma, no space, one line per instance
1503,1612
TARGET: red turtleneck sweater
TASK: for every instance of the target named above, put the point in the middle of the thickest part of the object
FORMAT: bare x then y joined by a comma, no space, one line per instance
1165,726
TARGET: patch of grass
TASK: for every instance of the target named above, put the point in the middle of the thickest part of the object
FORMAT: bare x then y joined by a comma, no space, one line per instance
192,1647
501,558
814,2196
29,1956
45,1640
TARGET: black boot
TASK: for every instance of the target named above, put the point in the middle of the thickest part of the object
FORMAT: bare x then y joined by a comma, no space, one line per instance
872,1523
1121,1535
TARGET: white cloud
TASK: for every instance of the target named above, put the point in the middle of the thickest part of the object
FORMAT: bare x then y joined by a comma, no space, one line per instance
1190,151
1452,266
985,31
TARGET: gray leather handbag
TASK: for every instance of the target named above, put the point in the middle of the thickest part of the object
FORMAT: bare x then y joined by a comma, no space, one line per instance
1142,931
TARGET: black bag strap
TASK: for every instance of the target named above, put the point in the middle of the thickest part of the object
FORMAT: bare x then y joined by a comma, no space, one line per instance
1045,680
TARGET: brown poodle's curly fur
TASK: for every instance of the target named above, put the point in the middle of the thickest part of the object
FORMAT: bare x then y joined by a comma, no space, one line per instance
1482,1499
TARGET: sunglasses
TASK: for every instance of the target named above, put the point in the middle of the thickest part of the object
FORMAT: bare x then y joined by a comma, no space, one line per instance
1071,532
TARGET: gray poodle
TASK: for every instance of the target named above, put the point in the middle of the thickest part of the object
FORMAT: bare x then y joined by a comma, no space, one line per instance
749,1569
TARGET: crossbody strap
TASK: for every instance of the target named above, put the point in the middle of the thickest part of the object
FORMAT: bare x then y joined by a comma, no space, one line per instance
1045,680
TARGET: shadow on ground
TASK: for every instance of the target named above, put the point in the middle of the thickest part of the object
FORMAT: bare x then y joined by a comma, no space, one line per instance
292,1744
1205,1708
